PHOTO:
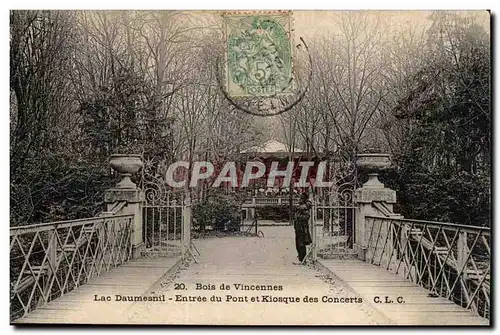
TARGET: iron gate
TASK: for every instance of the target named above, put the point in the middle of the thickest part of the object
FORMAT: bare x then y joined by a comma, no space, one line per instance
166,214
333,222
333,219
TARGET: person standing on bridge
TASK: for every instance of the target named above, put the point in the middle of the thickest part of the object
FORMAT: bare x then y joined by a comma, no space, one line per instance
301,226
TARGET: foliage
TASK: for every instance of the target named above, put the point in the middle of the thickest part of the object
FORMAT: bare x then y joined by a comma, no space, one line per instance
217,209
444,173
120,118
276,213
39,50
458,197
49,180
58,188
87,84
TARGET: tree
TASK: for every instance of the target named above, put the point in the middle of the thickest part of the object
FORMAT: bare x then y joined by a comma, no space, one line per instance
444,174
42,122
40,47
404,59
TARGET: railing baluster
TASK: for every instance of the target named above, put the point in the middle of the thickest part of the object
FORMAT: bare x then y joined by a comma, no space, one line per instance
39,274
168,215
98,256
123,242
445,259
51,262
146,225
160,225
93,232
371,233
473,262
414,257
59,259
153,228
385,243
403,255
175,223
393,247
459,274
486,244
376,242
428,258
77,250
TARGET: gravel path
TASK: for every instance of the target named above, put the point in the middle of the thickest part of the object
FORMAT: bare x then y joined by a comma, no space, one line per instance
294,295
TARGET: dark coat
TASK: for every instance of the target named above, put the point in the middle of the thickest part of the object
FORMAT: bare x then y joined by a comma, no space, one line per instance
301,224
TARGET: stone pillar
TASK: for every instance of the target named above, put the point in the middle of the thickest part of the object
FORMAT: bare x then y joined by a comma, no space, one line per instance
373,190
126,191
134,200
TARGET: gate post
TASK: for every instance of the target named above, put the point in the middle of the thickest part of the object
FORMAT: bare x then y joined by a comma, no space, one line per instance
186,226
365,197
371,191
134,201
314,232
127,192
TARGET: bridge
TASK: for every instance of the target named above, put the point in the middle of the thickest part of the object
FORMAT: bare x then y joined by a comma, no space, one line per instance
399,271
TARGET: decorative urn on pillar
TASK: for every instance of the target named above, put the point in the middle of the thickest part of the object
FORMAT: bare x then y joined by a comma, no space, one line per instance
126,165
373,163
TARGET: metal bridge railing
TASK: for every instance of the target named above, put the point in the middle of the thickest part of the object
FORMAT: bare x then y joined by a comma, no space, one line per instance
49,260
450,260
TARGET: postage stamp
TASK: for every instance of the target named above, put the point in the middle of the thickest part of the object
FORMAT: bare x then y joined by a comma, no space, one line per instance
335,171
259,54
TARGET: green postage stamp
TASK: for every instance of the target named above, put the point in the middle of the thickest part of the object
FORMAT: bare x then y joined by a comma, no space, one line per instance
258,54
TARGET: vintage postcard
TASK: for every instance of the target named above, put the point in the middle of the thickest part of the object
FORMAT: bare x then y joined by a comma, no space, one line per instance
259,167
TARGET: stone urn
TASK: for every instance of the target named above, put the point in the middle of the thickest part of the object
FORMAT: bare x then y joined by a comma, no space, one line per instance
373,163
126,165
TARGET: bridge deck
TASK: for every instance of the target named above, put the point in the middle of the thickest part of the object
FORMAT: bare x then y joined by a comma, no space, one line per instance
79,306
252,260
371,281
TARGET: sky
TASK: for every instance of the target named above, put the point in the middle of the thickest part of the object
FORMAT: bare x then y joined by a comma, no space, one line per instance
313,24
310,23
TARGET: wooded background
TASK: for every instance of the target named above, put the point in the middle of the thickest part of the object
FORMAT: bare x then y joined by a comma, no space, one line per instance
87,84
